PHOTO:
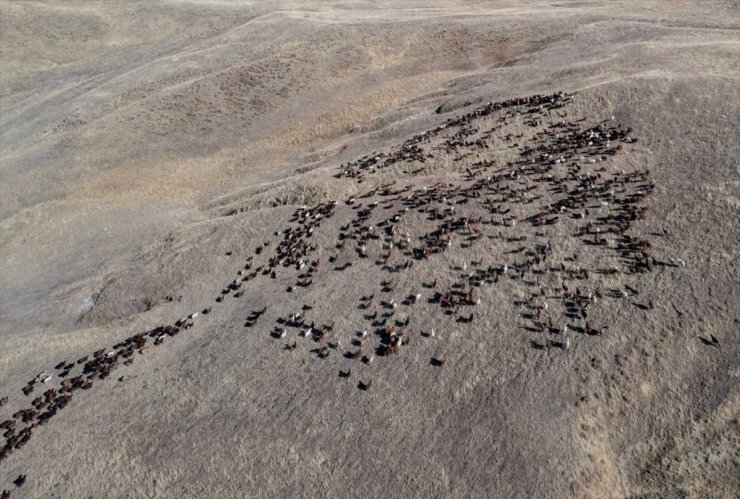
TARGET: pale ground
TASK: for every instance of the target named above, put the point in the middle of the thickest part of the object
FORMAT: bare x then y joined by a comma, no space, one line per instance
130,130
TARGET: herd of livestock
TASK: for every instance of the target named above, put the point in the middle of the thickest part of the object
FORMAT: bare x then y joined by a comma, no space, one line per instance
534,195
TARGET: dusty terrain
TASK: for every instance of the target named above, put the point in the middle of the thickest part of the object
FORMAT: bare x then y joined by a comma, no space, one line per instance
148,149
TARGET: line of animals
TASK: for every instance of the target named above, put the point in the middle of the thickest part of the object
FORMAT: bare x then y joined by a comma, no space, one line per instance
558,194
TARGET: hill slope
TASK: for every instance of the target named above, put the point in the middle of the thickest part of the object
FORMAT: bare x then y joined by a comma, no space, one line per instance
162,161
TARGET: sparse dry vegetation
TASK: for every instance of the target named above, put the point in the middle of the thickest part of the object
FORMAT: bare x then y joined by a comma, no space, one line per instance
148,149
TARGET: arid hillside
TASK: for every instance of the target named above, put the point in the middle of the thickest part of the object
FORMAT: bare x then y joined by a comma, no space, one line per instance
351,248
